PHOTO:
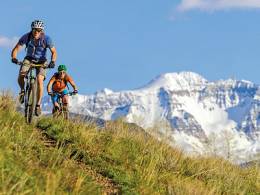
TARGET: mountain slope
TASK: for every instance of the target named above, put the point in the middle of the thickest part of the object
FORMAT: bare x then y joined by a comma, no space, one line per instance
194,106
54,156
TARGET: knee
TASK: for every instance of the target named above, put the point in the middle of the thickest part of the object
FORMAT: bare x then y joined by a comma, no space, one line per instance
22,74
55,106
40,82
65,99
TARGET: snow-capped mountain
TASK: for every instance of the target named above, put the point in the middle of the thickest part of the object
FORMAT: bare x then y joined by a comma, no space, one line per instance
194,106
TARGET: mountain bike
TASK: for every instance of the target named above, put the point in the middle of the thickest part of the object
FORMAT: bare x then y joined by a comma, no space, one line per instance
30,91
63,111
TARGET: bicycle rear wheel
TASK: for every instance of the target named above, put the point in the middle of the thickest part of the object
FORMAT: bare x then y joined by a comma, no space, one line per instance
30,104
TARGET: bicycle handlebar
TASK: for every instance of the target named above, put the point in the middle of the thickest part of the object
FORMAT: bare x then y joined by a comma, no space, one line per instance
32,64
69,94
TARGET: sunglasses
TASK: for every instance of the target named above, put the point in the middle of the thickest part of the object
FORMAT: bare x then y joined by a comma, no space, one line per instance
62,71
35,30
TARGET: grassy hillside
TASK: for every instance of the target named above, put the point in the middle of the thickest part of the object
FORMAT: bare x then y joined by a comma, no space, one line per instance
59,157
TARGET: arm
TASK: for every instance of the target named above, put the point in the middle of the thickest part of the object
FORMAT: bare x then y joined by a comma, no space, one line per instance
15,50
73,85
49,85
54,54
19,45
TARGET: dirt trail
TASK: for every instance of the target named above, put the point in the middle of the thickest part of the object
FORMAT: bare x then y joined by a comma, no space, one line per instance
108,187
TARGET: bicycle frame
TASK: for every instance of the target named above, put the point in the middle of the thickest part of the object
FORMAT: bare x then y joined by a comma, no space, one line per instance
30,92
62,109
60,97
31,77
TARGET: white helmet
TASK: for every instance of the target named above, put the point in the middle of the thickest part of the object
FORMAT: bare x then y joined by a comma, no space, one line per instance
37,24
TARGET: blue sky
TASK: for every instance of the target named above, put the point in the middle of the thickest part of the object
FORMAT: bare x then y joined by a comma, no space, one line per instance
122,45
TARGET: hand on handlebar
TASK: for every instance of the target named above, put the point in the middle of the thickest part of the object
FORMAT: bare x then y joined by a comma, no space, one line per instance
50,93
75,91
51,64
14,60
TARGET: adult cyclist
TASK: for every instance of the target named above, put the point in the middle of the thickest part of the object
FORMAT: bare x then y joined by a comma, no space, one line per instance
36,42
59,82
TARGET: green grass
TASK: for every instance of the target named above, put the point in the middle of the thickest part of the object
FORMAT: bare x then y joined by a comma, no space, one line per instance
140,164
135,161
29,167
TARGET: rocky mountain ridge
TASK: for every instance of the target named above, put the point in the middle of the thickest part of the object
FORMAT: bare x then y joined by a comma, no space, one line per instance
194,106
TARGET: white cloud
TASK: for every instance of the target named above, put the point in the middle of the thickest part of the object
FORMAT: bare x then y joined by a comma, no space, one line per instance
6,42
211,5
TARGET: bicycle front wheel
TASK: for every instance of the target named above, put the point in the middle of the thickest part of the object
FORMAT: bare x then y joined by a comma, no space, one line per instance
30,106
65,111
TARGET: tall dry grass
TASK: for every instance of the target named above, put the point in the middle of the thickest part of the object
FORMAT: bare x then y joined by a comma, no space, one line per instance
134,159
8,100
28,166
141,164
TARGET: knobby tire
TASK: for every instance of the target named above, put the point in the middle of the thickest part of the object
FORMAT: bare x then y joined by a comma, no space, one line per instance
26,111
30,108
64,111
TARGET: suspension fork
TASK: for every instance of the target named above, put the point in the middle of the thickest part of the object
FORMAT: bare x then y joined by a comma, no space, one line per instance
28,85
32,77
60,101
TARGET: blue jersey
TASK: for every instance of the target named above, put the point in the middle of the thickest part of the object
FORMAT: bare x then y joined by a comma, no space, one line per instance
35,49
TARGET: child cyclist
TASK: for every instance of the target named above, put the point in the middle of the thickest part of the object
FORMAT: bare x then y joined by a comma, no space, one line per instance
59,82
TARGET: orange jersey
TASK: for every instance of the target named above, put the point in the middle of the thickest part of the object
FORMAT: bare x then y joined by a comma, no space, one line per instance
60,84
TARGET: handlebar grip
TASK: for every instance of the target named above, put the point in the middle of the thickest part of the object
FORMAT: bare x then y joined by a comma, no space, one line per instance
19,63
